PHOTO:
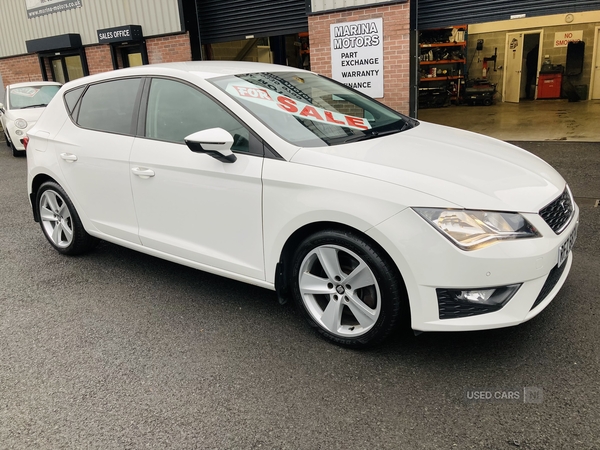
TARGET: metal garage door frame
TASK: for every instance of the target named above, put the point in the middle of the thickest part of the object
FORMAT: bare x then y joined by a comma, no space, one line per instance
230,20
441,13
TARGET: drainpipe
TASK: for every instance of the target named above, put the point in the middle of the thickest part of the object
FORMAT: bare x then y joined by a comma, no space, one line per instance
413,98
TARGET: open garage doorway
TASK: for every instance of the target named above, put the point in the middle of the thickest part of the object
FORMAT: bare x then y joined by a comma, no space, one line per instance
595,79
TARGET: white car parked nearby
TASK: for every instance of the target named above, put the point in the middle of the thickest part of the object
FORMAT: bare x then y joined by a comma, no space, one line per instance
288,180
25,102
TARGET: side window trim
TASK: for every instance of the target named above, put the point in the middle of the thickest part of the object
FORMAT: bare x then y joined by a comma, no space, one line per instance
256,147
143,108
75,111
271,153
78,104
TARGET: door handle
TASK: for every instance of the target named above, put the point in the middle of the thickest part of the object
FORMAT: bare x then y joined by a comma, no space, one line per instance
143,172
68,157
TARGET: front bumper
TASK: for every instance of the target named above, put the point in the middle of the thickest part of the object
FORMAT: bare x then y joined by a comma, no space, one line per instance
16,138
428,261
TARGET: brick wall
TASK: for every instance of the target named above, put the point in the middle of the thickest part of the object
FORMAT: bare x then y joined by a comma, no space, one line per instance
396,47
98,59
169,49
20,69
162,49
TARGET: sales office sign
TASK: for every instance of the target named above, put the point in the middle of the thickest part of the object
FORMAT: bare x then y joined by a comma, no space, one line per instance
357,55
120,34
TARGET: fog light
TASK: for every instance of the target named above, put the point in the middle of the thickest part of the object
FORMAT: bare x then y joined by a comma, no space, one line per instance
492,296
455,303
18,132
476,296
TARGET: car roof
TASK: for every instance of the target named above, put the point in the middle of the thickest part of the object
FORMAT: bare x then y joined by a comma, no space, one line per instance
34,83
201,69
210,69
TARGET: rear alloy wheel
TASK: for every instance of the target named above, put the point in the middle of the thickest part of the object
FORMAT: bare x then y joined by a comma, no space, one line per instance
346,289
60,222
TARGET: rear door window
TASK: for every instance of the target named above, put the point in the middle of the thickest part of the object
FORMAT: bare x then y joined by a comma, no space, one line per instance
110,106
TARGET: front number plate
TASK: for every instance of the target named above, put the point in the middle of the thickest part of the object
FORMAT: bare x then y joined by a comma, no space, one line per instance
565,248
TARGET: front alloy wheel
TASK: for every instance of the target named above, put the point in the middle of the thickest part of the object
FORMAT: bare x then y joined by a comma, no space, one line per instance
347,290
339,290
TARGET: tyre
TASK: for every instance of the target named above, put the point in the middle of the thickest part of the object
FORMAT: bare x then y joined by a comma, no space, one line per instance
346,288
16,153
9,143
60,222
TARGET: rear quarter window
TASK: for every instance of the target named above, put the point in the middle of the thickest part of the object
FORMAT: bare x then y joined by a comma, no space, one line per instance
72,97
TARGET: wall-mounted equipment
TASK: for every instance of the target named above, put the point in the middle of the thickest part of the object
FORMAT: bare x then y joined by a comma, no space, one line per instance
574,64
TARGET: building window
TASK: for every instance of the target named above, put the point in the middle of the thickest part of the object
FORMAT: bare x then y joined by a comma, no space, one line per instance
66,68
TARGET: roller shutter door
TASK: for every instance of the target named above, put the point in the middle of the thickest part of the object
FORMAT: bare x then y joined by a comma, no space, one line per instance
228,20
441,13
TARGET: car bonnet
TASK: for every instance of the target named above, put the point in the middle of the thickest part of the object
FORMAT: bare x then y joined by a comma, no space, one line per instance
461,167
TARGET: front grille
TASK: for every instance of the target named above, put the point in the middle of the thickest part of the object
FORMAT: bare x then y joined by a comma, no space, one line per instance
551,281
558,213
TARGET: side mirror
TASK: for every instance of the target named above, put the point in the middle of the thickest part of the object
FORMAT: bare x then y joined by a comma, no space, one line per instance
215,142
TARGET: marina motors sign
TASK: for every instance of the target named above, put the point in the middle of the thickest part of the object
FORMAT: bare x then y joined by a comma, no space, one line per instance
357,55
37,8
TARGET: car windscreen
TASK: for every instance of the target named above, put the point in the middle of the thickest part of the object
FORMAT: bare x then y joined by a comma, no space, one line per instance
31,96
309,110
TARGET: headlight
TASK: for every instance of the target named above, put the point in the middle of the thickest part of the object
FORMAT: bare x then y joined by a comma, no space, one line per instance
21,123
472,230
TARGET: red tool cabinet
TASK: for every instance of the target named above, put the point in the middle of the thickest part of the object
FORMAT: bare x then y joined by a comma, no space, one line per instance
549,85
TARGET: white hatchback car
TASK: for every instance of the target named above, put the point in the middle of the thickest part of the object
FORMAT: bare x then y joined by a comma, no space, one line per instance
291,181
25,102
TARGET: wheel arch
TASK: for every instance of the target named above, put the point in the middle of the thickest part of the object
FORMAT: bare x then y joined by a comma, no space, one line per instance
283,267
7,137
36,182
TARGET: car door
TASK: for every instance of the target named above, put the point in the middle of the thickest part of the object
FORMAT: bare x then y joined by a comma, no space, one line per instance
93,154
192,205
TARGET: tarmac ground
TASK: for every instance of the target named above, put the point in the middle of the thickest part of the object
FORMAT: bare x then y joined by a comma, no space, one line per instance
117,349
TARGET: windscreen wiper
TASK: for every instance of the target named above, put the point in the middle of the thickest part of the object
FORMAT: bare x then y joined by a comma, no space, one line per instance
34,106
374,134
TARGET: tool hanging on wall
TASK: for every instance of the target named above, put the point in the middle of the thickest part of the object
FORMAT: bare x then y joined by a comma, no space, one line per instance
485,69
